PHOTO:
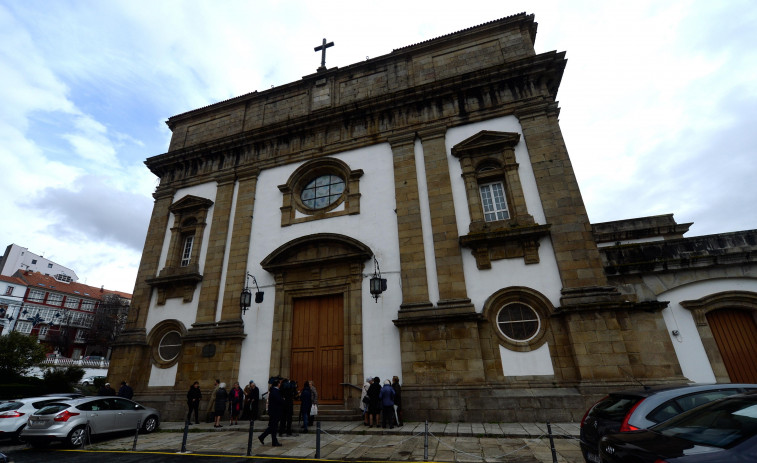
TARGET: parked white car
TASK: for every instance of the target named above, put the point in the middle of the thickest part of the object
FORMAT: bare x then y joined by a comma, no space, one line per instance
15,413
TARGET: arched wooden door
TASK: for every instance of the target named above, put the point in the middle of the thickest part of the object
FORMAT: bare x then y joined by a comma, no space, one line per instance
735,333
318,345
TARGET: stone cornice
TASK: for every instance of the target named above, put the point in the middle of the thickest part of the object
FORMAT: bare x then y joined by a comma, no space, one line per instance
525,86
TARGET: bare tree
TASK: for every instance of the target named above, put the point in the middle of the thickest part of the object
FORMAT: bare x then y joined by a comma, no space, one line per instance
110,318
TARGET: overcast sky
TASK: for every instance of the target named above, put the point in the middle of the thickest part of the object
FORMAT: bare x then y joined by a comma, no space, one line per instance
659,102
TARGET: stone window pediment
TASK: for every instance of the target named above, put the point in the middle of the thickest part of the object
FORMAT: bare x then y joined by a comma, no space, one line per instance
500,227
320,189
181,274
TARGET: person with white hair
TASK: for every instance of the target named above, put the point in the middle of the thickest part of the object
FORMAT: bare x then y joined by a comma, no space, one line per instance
364,400
221,397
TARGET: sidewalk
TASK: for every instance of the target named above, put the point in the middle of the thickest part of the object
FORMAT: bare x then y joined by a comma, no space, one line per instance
459,442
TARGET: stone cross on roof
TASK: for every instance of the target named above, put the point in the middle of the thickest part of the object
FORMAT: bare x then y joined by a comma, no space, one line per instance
322,48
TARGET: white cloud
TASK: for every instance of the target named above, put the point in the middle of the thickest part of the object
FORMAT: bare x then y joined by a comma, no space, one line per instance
657,101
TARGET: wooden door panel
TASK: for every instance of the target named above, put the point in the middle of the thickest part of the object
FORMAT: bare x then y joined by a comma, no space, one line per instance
318,345
735,333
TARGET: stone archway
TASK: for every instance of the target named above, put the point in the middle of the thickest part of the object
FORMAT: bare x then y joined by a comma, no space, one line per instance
727,325
309,269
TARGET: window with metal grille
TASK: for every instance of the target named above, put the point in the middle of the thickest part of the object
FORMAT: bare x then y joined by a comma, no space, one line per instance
170,346
322,191
518,322
494,202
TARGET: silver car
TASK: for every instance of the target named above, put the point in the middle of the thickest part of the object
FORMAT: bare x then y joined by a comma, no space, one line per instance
15,413
72,421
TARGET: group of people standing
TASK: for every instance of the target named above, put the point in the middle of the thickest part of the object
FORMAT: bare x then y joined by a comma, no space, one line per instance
281,396
385,401
238,402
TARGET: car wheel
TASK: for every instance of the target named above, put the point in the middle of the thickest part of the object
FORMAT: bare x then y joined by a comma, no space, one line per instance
85,384
16,437
150,424
76,437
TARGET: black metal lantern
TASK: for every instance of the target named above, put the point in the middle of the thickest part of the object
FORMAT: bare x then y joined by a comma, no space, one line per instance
377,284
245,299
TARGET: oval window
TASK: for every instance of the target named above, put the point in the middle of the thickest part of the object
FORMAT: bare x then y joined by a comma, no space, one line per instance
322,191
518,322
170,346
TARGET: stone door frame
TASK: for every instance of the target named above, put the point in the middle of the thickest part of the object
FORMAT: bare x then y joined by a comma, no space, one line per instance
318,265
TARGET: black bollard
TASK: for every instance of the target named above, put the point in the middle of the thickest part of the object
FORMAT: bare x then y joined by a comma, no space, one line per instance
249,438
136,434
425,443
184,439
551,443
318,439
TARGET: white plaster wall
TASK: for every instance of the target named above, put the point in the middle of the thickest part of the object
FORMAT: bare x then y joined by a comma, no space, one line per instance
163,376
176,308
544,276
375,226
535,363
688,345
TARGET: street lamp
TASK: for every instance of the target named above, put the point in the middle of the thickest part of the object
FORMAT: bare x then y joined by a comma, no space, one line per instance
377,284
245,299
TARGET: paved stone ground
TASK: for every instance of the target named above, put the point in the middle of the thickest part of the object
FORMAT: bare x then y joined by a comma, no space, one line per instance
458,442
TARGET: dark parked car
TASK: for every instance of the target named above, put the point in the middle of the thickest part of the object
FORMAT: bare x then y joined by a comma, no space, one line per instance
724,431
69,420
636,409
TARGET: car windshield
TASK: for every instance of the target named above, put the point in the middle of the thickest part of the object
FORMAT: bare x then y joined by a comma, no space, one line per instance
614,407
4,407
722,424
51,409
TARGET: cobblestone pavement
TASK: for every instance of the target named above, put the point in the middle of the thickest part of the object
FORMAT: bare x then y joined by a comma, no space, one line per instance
459,442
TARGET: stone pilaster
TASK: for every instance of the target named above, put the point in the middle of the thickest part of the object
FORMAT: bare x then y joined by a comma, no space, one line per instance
148,265
449,262
577,256
410,229
219,230
236,268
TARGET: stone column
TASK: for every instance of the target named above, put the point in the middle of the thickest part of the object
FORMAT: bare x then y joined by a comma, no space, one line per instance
449,262
410,229
148,265
576,251
130,357
240,243
219,230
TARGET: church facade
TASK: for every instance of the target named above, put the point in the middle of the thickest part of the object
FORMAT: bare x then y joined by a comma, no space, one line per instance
439,167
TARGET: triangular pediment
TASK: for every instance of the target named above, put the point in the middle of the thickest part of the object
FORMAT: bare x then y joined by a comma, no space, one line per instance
190,203
486,142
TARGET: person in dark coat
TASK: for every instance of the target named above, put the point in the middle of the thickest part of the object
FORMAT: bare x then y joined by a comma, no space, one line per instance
125,390
387,405
194,395
106,390
275,410
222,397
397,399
374,404
306,398
236,400
251,402
288,390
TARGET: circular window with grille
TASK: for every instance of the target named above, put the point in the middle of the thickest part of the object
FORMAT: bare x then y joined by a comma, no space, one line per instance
518,322
169,346
322,191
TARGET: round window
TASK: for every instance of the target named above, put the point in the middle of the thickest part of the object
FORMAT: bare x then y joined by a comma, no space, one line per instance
518,322
170,346
322,191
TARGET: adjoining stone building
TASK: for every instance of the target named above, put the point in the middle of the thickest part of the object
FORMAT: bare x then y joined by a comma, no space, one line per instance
442,167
